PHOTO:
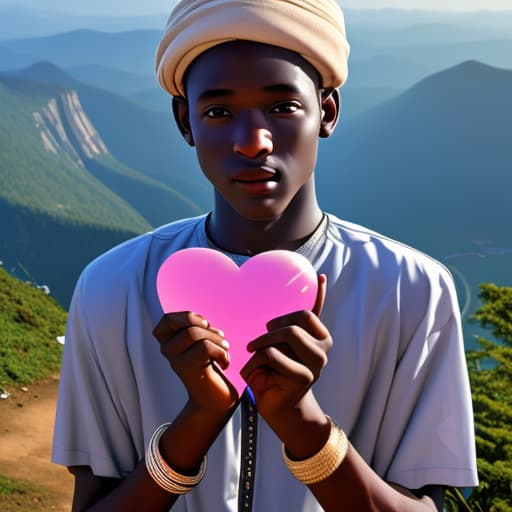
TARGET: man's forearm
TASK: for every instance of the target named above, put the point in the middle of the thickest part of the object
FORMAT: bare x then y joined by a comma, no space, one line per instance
183,446
354,485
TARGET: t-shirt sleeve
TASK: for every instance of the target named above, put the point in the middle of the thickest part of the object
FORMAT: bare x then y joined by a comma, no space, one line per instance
427,433
91,424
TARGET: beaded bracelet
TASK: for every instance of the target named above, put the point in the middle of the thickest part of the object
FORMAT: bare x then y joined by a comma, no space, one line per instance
324,463
165,476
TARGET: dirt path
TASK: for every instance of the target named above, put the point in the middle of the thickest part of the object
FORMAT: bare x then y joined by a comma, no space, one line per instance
26,429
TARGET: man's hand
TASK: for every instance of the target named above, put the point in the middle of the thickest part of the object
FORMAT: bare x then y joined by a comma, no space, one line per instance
194,349
288,359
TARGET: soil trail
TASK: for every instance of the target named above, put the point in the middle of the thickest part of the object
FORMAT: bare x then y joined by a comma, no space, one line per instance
26,429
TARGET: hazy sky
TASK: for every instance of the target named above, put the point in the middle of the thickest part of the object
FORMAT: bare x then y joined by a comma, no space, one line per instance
138,7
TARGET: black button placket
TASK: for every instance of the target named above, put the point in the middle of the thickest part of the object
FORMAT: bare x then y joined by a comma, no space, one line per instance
249,415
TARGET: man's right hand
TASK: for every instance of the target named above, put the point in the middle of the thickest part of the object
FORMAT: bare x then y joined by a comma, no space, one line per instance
196,351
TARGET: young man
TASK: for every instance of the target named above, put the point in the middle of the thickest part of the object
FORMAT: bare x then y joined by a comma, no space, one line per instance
379,361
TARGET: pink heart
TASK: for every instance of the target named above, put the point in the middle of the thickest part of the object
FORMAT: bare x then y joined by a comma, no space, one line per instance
238,300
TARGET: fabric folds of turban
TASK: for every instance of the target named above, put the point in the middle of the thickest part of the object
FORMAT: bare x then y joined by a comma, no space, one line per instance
314,29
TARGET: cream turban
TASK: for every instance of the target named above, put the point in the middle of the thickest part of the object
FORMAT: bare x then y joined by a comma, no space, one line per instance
314,29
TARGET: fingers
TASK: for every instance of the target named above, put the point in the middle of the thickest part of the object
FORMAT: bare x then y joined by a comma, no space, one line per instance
187,338
197,356
171,323
307,320
301,337
260,370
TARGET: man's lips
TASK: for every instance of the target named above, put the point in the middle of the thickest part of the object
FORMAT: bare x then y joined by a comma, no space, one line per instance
257,180
256,175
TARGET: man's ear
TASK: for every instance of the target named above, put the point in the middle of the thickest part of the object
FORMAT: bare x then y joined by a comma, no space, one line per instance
330,105
181,116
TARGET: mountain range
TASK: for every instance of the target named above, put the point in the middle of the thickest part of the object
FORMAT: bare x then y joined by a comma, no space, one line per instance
438,153
131,51
18,22
395,25
431,167
375,61
421,153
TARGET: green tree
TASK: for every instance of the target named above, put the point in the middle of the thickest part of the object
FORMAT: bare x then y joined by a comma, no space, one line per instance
490,372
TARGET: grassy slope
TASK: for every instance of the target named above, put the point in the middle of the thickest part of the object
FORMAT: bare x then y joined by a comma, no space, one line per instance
30,321
17,496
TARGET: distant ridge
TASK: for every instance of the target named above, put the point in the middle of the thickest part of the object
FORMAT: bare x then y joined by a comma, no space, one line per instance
435,56
431,166
117,81
130,51
385,71
19,22
469,76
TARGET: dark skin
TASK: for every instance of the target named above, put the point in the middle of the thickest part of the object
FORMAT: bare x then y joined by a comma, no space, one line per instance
254,114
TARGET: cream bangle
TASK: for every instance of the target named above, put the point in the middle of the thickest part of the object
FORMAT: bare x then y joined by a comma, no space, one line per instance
165,476
324,463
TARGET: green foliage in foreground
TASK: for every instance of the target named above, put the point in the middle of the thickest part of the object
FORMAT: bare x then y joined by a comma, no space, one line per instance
490,372
30,321
21,497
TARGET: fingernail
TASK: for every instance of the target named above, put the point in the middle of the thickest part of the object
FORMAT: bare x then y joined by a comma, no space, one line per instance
204,322
218,331
225,344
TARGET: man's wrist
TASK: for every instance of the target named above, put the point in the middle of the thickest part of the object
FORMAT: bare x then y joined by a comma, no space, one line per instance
205,413
322,464
189,437
304,429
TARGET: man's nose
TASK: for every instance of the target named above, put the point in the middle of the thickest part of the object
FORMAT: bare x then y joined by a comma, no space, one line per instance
252,138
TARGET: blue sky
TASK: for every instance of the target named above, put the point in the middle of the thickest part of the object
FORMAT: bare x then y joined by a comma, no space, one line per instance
136,7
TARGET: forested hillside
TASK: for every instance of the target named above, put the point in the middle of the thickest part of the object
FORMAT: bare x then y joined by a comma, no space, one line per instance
64,197
51,180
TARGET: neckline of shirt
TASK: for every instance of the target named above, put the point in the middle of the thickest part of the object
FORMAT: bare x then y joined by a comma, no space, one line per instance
307,249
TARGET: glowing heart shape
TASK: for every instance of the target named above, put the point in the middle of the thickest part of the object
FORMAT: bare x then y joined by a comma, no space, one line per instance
238,300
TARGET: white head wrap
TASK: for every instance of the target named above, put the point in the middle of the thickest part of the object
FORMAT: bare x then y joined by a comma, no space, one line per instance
315,29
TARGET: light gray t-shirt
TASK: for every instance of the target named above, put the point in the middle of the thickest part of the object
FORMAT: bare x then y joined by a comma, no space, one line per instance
396,380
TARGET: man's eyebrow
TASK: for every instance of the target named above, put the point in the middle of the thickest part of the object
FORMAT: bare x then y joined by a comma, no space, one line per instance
289,88
210,94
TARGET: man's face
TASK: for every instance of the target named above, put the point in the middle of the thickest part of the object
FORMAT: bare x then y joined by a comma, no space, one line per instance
254,113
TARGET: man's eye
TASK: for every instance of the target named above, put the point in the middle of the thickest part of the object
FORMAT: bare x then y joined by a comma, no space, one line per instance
286,108
216,112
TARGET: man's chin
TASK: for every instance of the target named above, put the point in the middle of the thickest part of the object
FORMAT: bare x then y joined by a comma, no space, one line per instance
266,213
